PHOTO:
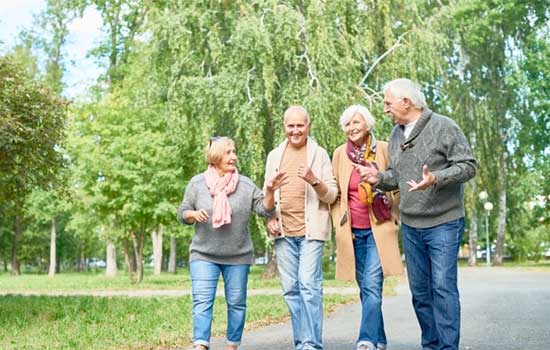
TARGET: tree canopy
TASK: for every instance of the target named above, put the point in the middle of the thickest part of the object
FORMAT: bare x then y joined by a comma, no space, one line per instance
178,72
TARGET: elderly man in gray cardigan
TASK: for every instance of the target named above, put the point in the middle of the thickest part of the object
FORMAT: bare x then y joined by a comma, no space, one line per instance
430,160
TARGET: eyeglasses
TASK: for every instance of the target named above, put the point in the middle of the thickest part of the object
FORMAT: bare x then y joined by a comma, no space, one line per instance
213,139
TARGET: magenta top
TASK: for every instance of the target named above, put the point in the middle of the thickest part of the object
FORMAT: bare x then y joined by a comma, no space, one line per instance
359,212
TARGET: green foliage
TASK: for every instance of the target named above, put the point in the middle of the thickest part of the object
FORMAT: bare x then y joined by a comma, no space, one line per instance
232,68
533,245
32,126
178,72
486,90
124,162
32,129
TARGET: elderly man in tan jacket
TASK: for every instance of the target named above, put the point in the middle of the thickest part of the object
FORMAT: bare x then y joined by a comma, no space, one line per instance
302,224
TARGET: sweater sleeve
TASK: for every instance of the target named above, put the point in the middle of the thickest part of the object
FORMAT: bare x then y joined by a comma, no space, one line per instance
462,163
258,204
268,168
188,203
387,180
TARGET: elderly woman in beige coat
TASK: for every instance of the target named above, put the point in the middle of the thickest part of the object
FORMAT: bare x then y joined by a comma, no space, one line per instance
365,222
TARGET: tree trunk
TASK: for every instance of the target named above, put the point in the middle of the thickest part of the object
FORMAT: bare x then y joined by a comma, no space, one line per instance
111,269
138,253
501,229
271,267
472,242
172,261
472,214
128,257
156,236
53,255
82,261
15,269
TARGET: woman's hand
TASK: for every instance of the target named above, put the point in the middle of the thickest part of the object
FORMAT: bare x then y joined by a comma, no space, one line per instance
200,215
278,180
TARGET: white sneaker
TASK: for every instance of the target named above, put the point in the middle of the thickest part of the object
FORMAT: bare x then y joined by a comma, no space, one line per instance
365,347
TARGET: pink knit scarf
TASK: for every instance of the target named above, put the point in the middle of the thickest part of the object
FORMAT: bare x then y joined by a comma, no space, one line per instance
220,187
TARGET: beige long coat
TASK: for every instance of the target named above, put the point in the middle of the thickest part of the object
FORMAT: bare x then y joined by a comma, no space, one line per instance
385,234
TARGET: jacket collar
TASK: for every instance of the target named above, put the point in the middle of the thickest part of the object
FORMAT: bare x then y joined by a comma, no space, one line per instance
420,124
311,150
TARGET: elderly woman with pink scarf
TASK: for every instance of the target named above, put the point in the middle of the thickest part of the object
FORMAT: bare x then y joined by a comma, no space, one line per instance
219,203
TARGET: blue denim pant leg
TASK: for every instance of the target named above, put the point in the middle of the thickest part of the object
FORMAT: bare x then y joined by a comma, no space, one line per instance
431,255
235,279
204,281
370,279
300,270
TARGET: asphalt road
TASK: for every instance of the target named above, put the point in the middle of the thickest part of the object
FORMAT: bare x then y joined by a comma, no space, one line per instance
502,309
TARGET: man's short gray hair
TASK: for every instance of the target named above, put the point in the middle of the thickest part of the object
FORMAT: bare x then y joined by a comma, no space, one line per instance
363,112
299,109
405,88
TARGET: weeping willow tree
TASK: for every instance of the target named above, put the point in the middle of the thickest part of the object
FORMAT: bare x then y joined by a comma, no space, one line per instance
488,43
232,68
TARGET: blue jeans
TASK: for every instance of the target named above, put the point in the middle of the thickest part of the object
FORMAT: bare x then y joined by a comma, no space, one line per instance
370,278
431,255
204,280
300,268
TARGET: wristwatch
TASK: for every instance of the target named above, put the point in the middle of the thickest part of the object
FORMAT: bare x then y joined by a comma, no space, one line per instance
316,183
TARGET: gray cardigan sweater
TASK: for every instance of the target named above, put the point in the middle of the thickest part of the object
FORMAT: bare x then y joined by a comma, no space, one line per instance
229,244
440,144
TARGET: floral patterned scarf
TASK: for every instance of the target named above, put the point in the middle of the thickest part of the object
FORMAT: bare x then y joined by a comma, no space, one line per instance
362,155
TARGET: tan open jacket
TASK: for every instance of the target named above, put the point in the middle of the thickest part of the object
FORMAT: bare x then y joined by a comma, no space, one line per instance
385,234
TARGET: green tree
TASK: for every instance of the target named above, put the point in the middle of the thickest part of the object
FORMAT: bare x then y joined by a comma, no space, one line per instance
127,160
53,25
233,67
487,39
32,120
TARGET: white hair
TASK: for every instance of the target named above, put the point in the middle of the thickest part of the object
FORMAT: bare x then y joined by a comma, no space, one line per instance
362,111
405,88
299,109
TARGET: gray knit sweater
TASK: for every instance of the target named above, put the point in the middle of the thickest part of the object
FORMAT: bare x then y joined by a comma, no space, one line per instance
440,144
229,244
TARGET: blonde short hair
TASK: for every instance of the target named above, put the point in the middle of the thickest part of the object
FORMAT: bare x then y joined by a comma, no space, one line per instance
363,112
216,149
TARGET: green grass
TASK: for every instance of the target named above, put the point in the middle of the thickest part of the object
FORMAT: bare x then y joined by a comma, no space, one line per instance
93,281
531,265
120,323
103,323
542,264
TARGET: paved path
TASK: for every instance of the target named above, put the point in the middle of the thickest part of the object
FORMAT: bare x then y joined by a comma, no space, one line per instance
502,309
